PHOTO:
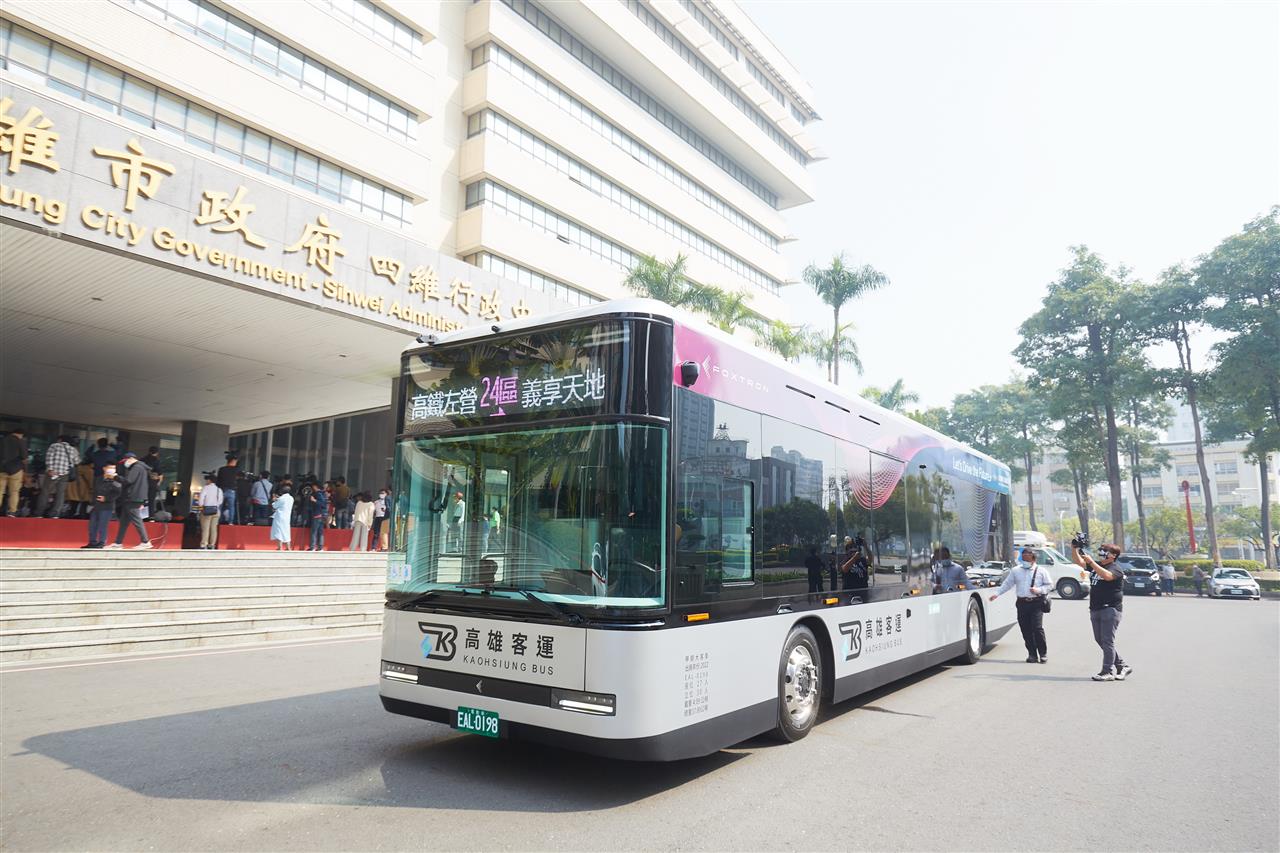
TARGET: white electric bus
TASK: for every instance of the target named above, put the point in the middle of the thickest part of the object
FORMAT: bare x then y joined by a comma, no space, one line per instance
617,529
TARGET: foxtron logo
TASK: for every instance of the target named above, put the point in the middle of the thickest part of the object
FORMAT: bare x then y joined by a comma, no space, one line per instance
437,641
853,639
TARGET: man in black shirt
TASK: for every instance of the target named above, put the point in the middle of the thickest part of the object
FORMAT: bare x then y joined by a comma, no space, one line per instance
813,563
1106,605
226,480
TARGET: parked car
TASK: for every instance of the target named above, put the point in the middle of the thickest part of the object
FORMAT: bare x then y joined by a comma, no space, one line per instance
1068,579
1234,583
1140,581
988,572
1141,574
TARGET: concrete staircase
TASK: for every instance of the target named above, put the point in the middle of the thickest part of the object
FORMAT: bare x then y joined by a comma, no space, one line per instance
57,604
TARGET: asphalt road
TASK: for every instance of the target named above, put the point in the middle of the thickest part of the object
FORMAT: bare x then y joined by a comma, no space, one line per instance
288,749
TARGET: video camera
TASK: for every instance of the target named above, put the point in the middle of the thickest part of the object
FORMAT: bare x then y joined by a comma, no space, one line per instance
1080,542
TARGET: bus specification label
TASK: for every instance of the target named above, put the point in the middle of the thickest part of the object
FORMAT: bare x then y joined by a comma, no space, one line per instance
478,722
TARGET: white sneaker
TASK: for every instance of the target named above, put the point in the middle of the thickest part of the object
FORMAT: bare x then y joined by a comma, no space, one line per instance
142,546
114,546
1123,672
1104,676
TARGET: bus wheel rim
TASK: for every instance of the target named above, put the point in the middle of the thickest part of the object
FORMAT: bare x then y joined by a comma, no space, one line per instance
800,686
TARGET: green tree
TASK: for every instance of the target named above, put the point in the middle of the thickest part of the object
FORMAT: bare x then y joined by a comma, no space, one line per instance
1235,408
1027,431
1082,446
1078,345
894,398
1145,412
837,285
1242,278
790,342
1167,529
729,310
1246,522
1173,311
934,417
837,349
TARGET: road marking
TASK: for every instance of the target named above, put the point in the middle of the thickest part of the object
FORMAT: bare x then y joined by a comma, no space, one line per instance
254,648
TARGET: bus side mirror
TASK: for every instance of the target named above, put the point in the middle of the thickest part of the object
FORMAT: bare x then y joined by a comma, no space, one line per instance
689,372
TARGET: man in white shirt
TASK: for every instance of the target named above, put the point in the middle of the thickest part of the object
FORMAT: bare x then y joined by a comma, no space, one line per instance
1032,584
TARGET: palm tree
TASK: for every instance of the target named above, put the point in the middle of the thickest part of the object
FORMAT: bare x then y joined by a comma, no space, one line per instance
895,398
836,285
664,281
836,348
728,311
790,342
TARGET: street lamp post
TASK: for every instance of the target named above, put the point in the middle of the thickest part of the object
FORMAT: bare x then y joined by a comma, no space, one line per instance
1191,529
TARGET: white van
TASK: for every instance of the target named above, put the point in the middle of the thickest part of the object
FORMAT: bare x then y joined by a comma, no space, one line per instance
1068,579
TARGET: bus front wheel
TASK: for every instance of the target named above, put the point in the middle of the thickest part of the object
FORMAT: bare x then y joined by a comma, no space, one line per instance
974,634
799,685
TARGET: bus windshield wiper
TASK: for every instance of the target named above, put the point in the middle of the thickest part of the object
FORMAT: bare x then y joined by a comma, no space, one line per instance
554,607
431,593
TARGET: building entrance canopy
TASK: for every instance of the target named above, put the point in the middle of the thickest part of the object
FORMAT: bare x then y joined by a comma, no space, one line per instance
145,284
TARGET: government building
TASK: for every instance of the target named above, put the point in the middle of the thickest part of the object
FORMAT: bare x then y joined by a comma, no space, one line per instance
221,221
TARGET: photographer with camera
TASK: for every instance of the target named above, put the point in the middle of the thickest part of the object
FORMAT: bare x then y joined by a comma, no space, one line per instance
1033,586
1106,603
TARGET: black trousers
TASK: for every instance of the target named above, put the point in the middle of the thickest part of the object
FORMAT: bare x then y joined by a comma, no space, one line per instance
1031,621
130,515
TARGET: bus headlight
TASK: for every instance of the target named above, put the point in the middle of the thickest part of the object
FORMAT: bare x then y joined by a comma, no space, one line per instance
399,672
600,704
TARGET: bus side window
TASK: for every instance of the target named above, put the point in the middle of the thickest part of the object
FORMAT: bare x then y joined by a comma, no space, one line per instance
716,490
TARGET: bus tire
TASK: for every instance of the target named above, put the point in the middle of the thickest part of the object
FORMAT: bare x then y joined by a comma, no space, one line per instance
799,685
975,633
1069,589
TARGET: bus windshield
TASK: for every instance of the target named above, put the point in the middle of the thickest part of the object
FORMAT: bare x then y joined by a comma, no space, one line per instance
571,514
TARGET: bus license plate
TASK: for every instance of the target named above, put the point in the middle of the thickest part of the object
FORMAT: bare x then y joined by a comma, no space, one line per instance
478,722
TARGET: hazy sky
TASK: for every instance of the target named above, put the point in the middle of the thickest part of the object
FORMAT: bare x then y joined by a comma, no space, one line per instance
970,144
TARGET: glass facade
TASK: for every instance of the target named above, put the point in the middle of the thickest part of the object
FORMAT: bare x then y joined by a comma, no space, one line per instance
488,121
357,447
251,46
29,56
530,278
720,84
371,20
575,48
492,194
613,134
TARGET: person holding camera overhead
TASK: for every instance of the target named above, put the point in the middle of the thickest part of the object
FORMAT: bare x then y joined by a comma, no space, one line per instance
1106,603
1033,586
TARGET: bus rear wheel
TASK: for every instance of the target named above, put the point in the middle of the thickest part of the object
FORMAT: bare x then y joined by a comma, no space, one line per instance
799,685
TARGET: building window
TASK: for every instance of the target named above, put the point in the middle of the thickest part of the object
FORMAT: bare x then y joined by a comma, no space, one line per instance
615,135
252,46
489,193
711,28
34,57
1227,486
720,84
531,278
639,97
1188,469
1153,491
487,121
1225,467
385,28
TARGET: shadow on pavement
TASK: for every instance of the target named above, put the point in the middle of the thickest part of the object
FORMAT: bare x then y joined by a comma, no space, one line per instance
340,747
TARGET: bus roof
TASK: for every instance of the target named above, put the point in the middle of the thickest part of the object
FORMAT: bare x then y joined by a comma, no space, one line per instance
814,388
